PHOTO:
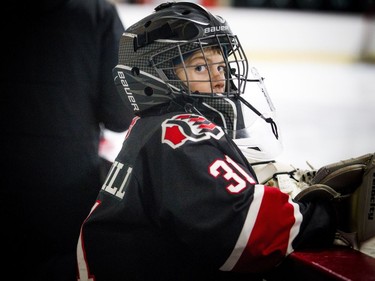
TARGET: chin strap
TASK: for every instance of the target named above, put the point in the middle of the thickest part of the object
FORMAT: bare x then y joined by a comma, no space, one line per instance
268,120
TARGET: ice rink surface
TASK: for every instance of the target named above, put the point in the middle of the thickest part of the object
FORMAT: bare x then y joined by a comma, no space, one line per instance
323,92
324,96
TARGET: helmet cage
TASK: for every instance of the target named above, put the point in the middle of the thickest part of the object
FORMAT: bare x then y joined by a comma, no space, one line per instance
166,60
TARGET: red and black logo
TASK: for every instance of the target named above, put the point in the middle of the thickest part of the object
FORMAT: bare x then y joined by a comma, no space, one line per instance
188,127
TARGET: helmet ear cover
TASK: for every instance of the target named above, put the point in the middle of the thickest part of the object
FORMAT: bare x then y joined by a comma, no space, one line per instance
136,87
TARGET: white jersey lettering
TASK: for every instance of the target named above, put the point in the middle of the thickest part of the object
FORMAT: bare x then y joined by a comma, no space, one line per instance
115,176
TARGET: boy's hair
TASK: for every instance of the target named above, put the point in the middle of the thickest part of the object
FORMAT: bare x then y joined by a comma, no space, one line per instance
177,61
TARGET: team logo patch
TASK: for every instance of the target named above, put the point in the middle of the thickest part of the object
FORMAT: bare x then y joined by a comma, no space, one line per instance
188,127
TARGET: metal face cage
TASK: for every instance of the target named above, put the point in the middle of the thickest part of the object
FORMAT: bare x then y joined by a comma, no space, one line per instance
236,66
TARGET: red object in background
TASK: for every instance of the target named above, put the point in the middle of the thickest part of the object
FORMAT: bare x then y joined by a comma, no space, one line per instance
209,3
337,263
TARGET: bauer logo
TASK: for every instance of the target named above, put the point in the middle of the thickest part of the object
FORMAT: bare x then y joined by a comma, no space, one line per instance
127,91
188,127
216,29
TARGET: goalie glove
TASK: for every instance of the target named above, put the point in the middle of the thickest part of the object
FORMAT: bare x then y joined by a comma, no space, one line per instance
350,184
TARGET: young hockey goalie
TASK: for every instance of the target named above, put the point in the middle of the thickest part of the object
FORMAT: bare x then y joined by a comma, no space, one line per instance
181,201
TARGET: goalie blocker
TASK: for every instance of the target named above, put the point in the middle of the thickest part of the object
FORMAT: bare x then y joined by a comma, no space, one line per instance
351,185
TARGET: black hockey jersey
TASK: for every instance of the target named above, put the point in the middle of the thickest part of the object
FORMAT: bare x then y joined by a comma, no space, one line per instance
182,203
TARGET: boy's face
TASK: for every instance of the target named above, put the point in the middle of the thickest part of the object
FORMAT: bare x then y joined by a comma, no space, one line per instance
202,77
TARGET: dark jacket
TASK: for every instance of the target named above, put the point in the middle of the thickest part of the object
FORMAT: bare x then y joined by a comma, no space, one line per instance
57,91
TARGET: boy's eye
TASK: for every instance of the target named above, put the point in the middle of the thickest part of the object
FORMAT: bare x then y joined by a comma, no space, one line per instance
221,68
200,68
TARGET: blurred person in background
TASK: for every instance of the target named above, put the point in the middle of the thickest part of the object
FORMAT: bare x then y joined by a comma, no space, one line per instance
57,94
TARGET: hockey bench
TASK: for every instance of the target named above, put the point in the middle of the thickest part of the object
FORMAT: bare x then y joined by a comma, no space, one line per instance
337,263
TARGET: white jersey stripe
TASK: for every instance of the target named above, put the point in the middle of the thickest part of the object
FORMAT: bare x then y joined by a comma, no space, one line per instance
246,230
296,226
83,269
